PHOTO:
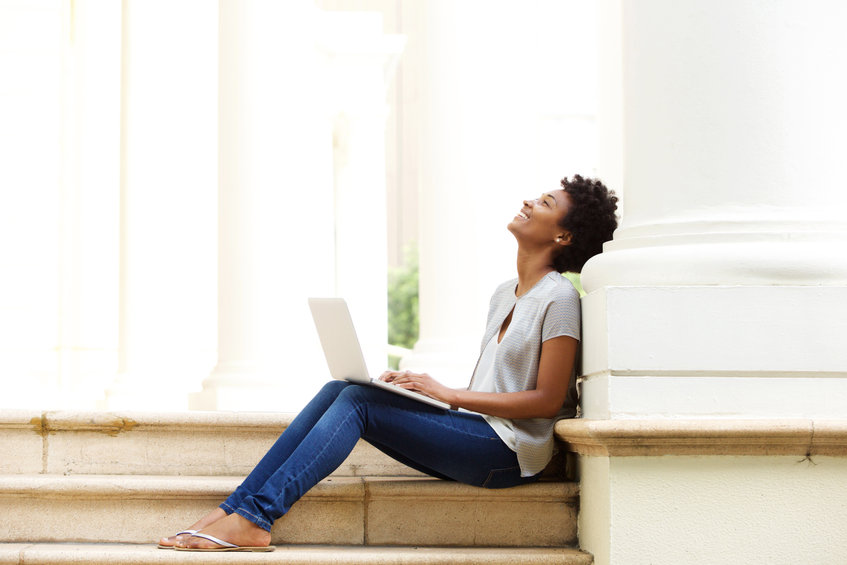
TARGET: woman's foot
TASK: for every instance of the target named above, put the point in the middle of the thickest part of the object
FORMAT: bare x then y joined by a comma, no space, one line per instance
233,529
206,520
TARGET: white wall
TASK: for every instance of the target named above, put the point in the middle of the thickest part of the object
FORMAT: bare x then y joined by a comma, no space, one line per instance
706,510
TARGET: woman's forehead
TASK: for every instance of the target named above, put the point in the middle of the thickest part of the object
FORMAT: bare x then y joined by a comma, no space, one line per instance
560,196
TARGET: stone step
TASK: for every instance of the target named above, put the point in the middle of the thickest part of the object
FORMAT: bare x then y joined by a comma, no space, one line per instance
339,510
184,443
114,554
140,443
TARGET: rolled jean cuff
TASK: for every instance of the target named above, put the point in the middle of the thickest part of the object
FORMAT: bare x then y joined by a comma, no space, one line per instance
226,508
259,521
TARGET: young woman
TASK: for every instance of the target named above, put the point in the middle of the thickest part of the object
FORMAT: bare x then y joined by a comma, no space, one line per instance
500,432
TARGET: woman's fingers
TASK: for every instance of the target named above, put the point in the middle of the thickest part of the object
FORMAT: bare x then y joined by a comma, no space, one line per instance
393,376
412,381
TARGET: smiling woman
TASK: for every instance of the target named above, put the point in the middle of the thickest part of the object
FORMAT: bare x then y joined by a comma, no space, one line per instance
499,430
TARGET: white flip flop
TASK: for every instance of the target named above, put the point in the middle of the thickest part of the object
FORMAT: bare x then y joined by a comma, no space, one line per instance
192,532
224,545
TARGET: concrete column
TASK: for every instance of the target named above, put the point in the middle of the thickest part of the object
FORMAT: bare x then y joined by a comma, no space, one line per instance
167,203
733,238
724,292
31,261
276,207
474,148
449,310
88,206
363,59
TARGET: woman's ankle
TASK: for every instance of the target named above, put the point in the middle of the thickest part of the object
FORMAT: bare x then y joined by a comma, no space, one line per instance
210,518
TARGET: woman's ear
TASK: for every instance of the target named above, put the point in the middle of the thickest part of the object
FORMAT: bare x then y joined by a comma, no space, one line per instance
564,238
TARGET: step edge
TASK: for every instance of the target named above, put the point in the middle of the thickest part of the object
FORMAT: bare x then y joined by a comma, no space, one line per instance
337,488
143,554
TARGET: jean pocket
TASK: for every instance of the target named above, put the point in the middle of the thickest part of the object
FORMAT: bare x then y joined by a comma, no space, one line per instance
503,478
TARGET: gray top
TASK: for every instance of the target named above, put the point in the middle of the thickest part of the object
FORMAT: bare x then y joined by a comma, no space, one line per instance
550,309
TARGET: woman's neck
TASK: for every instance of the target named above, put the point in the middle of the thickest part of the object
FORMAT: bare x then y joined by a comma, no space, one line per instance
532,267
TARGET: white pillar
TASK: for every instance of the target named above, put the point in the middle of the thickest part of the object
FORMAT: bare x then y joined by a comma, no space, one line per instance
88,206
724,292
733,150
30,169
364,60
276,207
167,206
59,200
453,102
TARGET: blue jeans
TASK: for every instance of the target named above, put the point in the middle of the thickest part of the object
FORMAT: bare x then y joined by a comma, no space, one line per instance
442,443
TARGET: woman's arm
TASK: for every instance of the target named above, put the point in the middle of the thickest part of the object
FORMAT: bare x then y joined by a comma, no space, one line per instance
554,371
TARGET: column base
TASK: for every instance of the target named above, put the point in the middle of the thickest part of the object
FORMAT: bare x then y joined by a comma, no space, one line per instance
242,399
256,391
141,392
714,351
613,396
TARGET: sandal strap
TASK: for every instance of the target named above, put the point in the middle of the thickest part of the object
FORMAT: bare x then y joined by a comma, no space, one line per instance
213,539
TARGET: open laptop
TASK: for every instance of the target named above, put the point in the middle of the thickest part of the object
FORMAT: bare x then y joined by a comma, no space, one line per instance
343,352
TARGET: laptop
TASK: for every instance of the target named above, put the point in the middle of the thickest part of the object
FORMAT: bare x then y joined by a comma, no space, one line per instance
343,352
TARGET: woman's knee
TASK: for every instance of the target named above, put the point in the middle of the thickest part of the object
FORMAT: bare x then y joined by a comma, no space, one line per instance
331,390
335,386
359,397
354,392
350,392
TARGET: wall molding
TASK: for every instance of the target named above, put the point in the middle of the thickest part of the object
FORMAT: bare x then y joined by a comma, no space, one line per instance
628,438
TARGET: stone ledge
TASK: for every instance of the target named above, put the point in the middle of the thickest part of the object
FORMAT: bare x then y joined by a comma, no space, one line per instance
111,554
186,422
127,487
339,510
143,487
402,488
157,443
623,438
22,441
166,443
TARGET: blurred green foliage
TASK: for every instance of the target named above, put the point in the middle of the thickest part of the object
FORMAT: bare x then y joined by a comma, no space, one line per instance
574,278
403,302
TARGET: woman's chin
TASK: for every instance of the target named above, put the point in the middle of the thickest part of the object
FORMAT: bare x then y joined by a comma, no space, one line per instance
515,227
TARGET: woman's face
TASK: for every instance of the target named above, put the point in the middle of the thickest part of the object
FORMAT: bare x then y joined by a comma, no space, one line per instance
538,220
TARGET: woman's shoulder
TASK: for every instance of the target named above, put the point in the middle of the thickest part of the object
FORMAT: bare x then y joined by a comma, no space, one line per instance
503,297
552,288
506,287
557,288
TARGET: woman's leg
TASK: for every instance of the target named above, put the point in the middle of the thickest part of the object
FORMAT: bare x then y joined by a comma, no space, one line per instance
455,445
272,460
286,444
450,445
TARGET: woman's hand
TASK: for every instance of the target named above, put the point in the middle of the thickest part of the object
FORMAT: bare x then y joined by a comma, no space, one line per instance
419,382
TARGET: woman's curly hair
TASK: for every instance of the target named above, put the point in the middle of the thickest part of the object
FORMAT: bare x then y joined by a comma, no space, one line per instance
591,221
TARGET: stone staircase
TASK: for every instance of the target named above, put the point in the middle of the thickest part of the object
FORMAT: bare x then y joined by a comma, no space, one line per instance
102,487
